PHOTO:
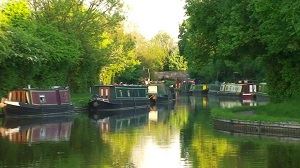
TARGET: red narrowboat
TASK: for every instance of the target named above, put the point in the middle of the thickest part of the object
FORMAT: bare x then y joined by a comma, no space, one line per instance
38,103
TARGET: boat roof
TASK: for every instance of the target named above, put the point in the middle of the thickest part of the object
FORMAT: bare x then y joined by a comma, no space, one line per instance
40,89
129,86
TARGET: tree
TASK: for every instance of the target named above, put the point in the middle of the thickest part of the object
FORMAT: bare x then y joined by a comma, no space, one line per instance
246,33
56,42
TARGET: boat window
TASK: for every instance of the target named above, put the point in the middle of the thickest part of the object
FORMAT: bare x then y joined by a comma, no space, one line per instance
250,88
254,88
27,97
128,93
142,92
245,88
133,93
125,93
106,93
119,93
101,92
42,99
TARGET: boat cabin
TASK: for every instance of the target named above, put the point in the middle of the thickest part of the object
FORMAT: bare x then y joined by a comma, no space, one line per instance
244,89
119,92
238,88
40,97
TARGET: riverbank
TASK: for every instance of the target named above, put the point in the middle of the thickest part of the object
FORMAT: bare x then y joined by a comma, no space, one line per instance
288,111
273,119
80,100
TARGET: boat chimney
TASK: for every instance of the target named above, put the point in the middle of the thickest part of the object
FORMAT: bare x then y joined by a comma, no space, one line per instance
29,87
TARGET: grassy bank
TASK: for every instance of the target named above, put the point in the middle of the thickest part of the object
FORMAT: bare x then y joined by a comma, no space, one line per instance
288,111
80,99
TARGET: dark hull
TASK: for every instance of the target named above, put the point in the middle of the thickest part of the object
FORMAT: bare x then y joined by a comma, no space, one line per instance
26,110
122,105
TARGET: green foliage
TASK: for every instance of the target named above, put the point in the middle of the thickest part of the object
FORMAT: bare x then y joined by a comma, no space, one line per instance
160,53
46,43
251,39
131,75
122,57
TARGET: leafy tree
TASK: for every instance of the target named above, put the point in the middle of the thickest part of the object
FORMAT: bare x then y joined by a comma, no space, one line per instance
122,57
256,39
131,75
55,42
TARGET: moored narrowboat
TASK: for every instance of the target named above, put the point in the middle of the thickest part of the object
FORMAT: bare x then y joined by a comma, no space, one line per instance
38,103
160,93
199,88
242,89
112,98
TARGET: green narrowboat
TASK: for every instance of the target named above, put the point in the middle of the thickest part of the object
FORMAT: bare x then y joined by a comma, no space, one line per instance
109,98
199,88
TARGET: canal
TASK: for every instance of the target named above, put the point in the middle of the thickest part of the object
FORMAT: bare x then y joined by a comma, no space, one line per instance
171,135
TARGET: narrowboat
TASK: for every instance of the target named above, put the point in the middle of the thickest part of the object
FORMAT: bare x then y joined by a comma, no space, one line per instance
242,89
111,98
185,86
214,88
262,89
199,88
38,103
160,93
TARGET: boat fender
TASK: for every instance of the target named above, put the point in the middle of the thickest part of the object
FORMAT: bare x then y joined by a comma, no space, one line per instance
95,104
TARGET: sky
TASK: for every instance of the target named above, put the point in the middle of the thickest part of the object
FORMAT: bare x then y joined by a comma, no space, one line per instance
148,17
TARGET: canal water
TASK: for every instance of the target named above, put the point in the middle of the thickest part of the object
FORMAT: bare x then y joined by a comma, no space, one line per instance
171,135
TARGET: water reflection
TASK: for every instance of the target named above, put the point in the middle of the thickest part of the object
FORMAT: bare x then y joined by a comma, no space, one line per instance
216,101
160,146
161,112
170,135
27,130
120,122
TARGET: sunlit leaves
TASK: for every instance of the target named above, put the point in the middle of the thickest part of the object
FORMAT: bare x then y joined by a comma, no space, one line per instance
17,12
120,47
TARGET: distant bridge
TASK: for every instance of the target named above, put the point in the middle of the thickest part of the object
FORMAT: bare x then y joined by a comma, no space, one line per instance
172,75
